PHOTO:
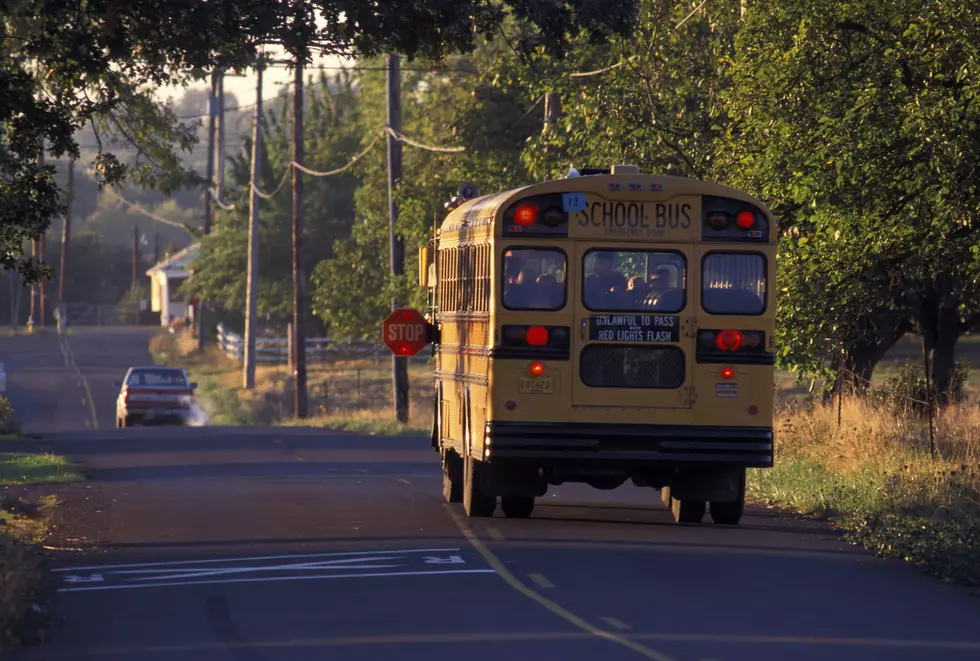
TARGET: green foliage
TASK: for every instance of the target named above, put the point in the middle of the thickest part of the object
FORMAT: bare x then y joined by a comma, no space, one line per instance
907,392
658,106
332,130
8,418
855,123
353,290
68,64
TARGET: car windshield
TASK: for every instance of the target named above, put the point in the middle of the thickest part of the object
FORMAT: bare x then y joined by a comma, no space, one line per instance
156,377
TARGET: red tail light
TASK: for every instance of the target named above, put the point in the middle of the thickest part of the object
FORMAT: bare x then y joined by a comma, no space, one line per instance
534,342
727,373
745,220
729,340
537,336
526,214
536,369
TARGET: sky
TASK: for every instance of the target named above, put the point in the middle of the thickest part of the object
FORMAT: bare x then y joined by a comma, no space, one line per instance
243,87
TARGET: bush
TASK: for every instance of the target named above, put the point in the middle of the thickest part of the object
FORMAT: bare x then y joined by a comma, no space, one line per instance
8,417
907,390
19,577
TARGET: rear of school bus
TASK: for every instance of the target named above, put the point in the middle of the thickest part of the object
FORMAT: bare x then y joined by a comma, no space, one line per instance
633,321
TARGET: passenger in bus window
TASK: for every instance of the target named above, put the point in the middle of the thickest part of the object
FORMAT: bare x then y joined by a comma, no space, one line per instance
604,287
638,289
664,295
547,293
515,294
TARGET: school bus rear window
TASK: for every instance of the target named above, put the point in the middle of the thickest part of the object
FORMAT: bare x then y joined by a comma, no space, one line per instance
534,279
734,283
636,280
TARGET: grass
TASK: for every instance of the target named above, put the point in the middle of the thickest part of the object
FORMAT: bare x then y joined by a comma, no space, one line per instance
21,468
873,476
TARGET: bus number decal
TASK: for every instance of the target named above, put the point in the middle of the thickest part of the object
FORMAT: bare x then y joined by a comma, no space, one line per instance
635,218
634,328
573,202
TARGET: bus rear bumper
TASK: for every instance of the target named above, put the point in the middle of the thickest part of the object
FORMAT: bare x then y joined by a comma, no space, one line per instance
627,445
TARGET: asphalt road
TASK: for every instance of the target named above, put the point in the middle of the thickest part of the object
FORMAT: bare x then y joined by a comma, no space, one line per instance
273,544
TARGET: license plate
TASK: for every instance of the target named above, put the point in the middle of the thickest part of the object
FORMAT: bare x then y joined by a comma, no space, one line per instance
726,390
532,385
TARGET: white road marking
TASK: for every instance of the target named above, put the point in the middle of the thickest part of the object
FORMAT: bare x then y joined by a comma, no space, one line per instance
305,566
272,579
94,578
252,559
451,560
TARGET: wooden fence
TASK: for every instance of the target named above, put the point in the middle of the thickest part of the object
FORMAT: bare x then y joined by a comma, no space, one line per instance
276,350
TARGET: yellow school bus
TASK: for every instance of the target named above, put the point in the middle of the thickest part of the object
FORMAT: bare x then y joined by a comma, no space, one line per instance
604,327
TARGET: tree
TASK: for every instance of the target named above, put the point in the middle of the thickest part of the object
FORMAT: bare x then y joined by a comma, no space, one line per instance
68,63
463,105
334,134
653,98
857,121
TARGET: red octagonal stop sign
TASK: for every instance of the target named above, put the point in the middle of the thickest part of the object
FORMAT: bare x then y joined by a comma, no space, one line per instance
405,332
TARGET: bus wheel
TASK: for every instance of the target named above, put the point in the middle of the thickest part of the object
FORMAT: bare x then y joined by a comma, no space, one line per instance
687,511
452,478
476,503
730,513
517,507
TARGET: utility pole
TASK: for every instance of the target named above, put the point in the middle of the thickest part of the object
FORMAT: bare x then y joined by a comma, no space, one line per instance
299,272
42,249
65,239
136,255
248,369
209,175
220,186
32,309
399,364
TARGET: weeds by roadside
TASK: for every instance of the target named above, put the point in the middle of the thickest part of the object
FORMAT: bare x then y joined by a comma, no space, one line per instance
873,476
23,525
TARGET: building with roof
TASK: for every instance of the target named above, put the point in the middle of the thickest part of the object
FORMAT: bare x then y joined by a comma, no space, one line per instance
165,280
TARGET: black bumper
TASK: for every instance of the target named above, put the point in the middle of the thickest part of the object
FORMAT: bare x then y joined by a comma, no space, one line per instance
553,443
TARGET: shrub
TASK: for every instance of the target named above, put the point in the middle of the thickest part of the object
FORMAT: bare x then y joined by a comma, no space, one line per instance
907,390
8,418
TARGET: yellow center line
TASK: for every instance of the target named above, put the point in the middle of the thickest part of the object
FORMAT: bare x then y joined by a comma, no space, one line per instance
615,624
560,611
540,581
72,365
495,534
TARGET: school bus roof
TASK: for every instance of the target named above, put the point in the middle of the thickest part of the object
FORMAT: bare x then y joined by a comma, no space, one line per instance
484,210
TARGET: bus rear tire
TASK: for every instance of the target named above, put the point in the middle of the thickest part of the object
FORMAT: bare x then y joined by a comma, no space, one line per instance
519,507
452,478
687,511
476,503
730,513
